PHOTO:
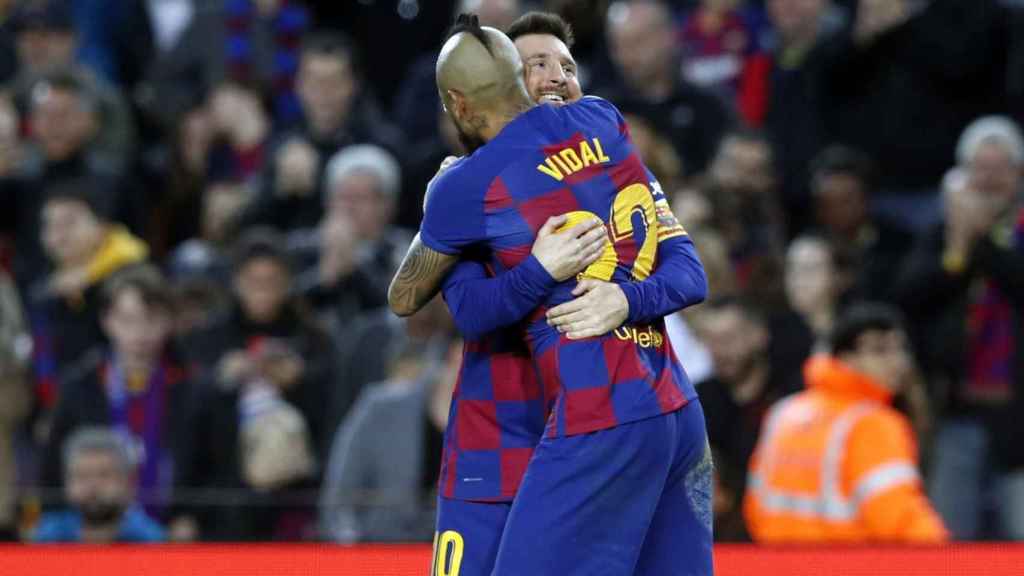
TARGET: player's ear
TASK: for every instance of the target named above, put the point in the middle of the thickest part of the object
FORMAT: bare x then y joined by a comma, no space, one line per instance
456,104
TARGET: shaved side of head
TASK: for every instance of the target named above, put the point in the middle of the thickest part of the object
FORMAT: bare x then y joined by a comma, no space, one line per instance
480,63
480,79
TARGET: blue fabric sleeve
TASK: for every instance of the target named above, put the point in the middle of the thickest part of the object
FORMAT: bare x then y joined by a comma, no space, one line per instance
454,216
481,304
678,281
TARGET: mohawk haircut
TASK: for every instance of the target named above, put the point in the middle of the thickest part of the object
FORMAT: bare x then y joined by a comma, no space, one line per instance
545,23
470,24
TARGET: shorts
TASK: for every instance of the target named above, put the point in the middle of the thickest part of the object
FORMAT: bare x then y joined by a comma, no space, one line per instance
467,536
630,500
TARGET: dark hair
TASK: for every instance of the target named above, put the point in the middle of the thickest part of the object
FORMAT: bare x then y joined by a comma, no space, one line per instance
65,80
332,44
470,24
746,307
259,244
542,23
146,280
839,159
82,190
860,318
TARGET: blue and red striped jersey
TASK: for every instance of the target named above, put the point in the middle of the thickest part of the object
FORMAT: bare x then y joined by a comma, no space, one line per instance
576,159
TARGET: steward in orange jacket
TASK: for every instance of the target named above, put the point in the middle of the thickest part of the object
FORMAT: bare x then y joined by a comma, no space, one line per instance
836,463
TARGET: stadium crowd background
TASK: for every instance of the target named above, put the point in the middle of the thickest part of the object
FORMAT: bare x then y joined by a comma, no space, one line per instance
203,202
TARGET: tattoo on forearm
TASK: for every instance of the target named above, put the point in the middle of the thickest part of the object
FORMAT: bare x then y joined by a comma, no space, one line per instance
418,278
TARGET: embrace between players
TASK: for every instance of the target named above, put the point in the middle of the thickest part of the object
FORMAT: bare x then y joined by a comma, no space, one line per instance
575,441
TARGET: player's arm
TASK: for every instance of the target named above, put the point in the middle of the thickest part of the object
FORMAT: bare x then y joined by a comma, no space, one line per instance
418,278
678,281
481,304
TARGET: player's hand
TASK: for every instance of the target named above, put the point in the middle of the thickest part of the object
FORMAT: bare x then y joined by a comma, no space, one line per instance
599,308
445,164
566,253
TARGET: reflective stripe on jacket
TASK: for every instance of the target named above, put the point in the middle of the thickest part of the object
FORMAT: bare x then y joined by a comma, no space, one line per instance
837,464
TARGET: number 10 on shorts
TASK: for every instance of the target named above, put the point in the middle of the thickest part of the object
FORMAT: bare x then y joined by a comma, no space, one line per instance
447,554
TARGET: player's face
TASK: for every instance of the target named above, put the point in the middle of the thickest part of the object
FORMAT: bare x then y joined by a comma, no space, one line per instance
549,69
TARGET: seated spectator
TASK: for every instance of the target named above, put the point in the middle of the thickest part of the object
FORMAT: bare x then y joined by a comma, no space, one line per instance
263,358
963,287
99,469
85,249
240,132
836,463
376,489
644,50
873,246
137,386
15,347
337,112
744,383
356,247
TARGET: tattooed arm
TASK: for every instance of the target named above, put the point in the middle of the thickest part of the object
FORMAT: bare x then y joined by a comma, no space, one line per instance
419,278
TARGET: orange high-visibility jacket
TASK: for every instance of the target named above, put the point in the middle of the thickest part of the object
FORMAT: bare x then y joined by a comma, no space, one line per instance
836,463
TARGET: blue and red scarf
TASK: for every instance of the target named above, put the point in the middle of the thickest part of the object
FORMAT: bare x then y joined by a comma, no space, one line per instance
289,24
138,410
990,333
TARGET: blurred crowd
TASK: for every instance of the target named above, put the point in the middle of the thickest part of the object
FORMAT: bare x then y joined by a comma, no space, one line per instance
203,202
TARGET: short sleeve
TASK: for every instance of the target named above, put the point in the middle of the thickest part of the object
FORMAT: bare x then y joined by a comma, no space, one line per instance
453,218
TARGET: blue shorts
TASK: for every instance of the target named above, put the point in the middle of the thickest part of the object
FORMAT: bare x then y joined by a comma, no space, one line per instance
629,500
467,537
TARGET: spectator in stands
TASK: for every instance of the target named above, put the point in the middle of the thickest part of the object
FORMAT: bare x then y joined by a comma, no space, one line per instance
791,99
337,112
837,463
15,348
223,201
99,468
963,288
743,386
251,42
264,358
873,246
48,43
718,46
379,490
355,250
643,47
85,248
903,65
241,130
138,387
746,212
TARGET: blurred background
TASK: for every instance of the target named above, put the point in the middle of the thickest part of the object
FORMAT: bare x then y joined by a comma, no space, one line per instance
203,202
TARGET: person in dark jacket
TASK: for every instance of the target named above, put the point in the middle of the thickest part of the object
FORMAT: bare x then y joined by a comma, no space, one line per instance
964,288
137,386
264,356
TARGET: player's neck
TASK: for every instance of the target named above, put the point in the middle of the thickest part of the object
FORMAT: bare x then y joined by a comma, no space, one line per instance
500,118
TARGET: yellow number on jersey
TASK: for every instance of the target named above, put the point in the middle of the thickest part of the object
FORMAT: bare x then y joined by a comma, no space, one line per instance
633,199
447,563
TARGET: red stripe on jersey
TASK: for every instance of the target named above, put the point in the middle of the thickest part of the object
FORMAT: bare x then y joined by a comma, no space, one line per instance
497,197
478,425
513,466
668,393
622,359
536,211
572,142
629,171
514,378
511,257
588,409
448,482
547,362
